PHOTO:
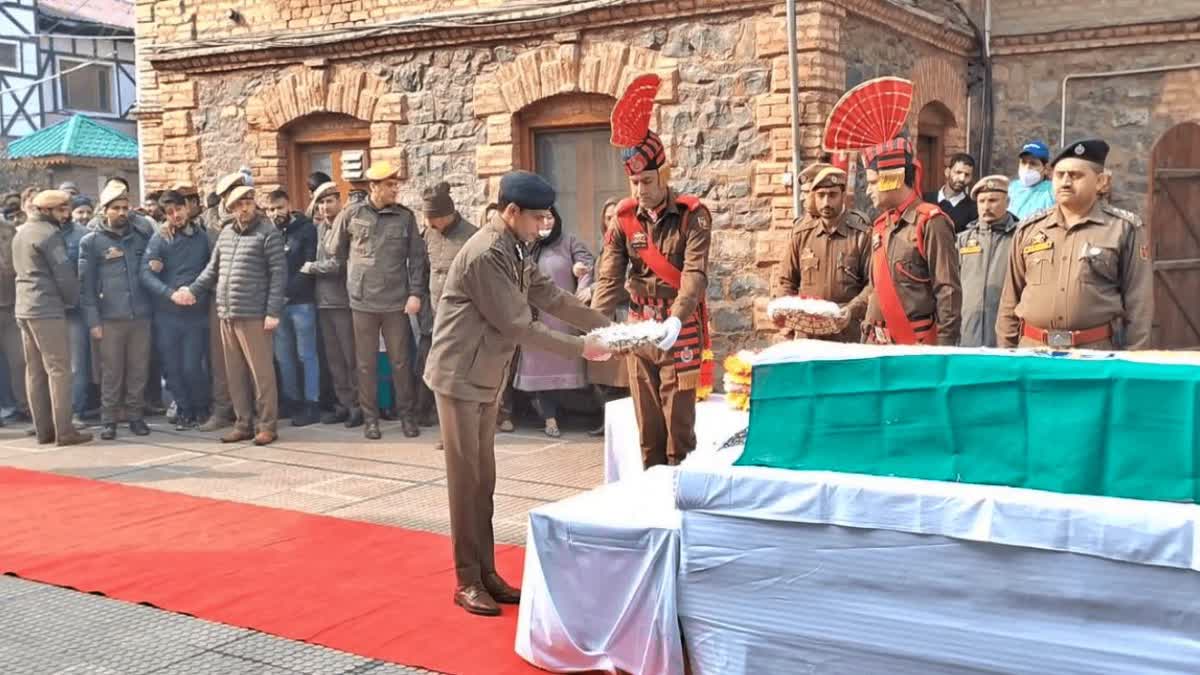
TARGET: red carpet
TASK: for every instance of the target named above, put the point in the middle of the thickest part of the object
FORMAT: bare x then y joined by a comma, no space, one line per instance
376,591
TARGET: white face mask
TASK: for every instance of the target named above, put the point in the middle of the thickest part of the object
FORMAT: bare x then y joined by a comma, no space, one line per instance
1029,177
542,234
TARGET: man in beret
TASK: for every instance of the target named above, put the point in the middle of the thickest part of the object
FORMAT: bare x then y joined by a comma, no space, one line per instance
117,311
483,315
333,305
378,242
47,286
445,233
829,253
983,250
249,273
1079,275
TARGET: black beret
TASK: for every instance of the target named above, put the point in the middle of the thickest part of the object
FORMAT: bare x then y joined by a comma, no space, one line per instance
526,190
1092,150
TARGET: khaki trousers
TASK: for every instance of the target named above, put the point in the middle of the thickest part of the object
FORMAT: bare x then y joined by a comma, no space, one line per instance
469,437
396,336
666,415
14,354
250,368
48,377
222,405
124,367
337,338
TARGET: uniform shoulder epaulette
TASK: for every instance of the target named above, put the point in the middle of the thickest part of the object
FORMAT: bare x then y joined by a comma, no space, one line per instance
1128,216
1035,217
858,221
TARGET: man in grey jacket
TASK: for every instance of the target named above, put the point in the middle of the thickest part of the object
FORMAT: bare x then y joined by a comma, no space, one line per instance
247,269
983,250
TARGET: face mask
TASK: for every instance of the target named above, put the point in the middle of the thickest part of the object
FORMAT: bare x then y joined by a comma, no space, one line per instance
1029,177
542,234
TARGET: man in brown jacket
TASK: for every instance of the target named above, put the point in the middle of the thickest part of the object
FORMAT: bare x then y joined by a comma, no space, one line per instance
829,254
378,242
46,286
916,294
333,312
1079,274
484,314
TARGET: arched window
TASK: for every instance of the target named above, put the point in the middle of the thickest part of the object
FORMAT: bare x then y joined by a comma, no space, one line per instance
933,122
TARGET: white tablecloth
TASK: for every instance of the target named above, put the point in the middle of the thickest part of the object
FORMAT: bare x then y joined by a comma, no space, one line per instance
716,422
599,586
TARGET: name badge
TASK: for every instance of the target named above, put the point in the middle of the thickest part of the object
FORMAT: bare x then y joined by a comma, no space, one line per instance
1041,246
638,241
970,250
113,253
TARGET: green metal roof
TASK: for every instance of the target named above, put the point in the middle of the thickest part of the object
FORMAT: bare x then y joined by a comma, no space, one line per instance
76,137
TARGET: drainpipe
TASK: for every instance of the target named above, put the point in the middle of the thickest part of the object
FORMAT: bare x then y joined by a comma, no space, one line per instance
794,67
1062,124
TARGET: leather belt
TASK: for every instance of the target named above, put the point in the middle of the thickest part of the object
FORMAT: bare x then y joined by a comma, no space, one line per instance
1064,339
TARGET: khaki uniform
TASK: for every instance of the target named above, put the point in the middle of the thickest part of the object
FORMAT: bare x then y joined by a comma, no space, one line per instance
47,286
1090,275
337,326
929,287
831,261
665,407
10,333
484,314
221,401
983,251
442,247
385,264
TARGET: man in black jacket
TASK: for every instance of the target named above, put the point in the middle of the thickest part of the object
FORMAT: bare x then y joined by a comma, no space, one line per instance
296,336
117,311
952,198
174,258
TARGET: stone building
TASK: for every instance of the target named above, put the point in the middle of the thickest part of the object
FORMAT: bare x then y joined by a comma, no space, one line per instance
1127,71
467,90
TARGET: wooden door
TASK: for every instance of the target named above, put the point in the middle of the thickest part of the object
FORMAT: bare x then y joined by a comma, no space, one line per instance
1174,222
317,143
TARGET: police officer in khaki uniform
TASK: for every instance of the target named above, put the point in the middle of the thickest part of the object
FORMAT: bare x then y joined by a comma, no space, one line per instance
378,241
829,254
46,286
445,233
983,249
222,404
333,312
1079,275
484,314
117,311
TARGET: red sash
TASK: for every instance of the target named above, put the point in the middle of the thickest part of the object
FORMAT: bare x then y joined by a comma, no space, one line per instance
899,327
695,338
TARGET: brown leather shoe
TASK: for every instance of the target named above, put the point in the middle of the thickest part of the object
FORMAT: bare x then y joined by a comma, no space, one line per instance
265,437
77,439
500,590
237,436
475,599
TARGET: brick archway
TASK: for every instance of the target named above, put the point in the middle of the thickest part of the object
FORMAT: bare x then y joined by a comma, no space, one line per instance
937,80
300,92
573,68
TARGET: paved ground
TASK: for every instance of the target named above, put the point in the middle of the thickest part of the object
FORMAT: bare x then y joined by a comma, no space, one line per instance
317,469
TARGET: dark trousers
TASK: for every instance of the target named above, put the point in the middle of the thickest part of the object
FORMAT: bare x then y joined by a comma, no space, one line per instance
48,377
183,349
469,436
14,355
337,341
124,366
426,406
396,337
666,414
250,368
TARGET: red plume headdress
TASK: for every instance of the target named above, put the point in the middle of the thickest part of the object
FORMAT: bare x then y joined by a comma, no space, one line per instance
869,119
642,148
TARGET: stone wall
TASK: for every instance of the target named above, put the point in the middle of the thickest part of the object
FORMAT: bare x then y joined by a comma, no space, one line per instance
1130,112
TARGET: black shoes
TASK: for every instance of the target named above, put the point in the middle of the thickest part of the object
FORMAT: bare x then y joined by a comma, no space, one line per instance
306,413
411,430
109,432
372,431
339,414
139,428
355,419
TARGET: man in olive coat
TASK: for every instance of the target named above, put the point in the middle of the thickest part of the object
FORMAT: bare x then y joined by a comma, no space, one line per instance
484,314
